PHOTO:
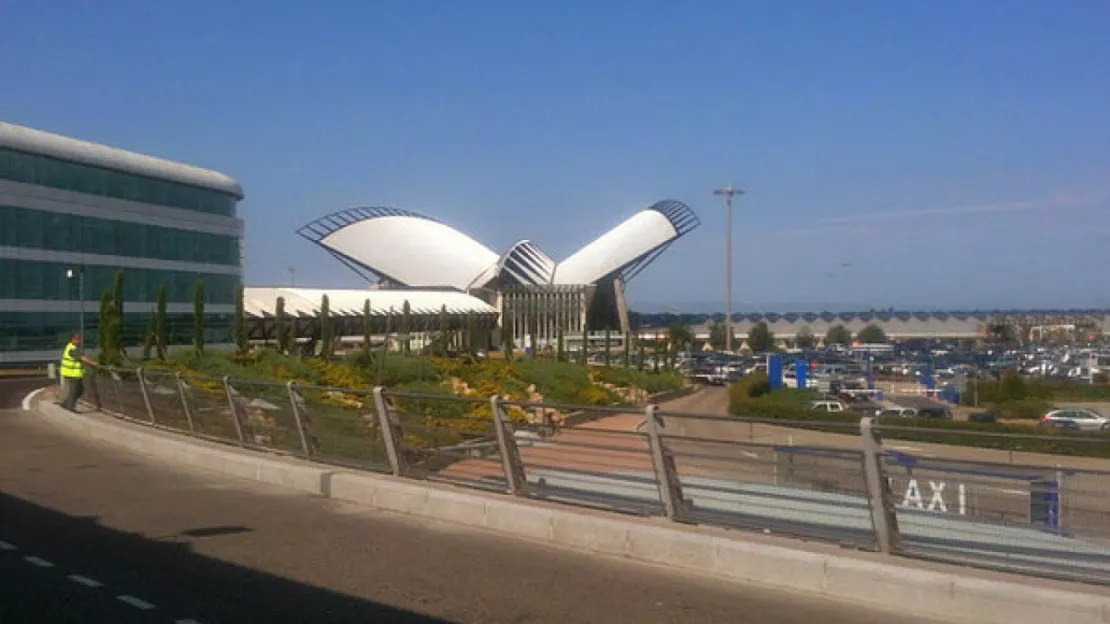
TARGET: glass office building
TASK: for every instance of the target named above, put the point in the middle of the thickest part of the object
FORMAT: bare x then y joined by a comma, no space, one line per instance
70,208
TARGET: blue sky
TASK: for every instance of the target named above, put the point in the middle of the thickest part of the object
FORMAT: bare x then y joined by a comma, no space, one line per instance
912,154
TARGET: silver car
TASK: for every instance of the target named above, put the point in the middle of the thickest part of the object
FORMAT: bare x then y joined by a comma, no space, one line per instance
1081,418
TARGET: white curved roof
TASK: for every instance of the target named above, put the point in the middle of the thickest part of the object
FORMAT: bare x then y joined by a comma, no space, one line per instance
413,250
262,302
634,239
61,147
404,247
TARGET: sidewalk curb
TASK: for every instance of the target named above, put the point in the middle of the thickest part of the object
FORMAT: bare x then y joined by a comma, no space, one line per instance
889,586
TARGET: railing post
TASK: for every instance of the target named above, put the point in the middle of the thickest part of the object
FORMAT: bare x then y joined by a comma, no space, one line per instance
515,478
146,397
666,473
392,434
301,419
117,383
182,392
884,517
234,411
94,388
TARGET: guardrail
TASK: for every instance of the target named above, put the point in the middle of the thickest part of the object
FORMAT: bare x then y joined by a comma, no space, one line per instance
825,480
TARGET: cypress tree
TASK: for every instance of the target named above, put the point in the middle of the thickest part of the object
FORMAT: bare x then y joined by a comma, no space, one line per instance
585,345
280,330
104,328
627,349
198,317
367,328
242,345
444,331
560,346
533,329
471,334
640,365
327,331
507,345
117,313
160,323
151,338
406,328
608,348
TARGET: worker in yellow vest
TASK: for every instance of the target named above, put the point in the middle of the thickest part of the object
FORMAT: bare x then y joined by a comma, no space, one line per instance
73,372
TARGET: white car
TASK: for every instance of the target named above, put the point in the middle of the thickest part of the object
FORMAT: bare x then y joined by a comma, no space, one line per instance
901,412
1082,419
826,406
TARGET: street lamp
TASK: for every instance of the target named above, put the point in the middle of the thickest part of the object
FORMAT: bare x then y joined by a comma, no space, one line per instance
728,191
80,273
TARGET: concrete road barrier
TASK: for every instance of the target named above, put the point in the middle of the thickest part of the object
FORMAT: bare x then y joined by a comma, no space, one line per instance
945,592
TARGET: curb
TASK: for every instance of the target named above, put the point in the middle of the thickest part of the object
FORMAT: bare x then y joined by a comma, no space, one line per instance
947,595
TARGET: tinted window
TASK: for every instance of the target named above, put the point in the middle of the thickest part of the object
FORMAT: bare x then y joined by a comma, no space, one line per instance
67,176
22,227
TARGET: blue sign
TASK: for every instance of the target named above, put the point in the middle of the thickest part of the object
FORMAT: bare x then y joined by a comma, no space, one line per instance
1044,503
774,371
801,371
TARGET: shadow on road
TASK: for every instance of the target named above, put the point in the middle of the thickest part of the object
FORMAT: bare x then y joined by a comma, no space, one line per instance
181,582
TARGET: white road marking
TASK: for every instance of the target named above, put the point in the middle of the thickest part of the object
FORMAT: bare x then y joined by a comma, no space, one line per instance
135,602
38,561
186,622
906,448
30,397
750,454
6,546
84,580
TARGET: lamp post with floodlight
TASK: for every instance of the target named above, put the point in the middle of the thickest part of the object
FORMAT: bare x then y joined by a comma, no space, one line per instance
728,191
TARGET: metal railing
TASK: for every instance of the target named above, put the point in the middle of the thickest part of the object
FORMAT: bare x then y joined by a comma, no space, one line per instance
1041,514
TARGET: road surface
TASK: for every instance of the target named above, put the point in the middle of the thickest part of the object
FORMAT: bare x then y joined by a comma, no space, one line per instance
91,533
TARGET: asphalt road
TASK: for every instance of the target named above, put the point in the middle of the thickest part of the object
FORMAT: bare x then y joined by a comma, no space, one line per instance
90,533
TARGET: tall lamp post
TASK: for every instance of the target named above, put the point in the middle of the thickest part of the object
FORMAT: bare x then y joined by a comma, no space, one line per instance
728,191
79,272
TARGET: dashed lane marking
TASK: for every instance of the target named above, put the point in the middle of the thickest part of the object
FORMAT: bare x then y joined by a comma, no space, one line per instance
84,580
6,546
38,561
135,602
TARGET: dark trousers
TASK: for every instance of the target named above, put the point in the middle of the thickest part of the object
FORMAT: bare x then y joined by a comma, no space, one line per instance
75,387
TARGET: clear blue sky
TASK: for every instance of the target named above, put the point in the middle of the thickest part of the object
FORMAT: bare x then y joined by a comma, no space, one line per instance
939,154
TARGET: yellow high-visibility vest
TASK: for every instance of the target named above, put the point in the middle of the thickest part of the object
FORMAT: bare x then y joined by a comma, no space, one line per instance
72,367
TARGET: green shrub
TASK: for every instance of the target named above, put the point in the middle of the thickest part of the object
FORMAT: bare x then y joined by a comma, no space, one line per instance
1026,409
1012,387
628,377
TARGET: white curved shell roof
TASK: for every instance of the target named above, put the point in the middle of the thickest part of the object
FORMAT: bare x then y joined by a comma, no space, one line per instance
636,236
33,141
414,251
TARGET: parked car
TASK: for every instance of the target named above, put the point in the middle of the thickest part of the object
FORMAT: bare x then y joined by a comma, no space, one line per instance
934,411
1082,419
900,412
982,417
826,406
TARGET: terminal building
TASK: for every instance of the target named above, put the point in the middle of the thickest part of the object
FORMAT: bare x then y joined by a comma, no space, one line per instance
73,212
406,256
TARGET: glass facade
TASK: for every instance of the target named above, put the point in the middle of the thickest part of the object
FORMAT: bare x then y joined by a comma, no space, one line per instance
24,331
67,176
35,229
32,279
24,281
